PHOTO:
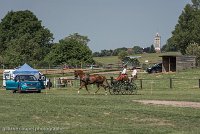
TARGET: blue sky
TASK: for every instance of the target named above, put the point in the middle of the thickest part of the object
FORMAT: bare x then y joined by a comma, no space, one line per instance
109,24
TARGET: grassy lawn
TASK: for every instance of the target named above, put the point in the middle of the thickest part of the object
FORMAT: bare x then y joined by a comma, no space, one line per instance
64,111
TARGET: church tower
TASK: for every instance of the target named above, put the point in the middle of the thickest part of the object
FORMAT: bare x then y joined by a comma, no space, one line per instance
157,42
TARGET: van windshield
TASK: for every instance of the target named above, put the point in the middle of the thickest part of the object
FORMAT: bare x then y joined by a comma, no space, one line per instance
27,78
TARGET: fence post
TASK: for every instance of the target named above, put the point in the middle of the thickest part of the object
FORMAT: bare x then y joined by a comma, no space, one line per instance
141,83
49,84
170,83
199,83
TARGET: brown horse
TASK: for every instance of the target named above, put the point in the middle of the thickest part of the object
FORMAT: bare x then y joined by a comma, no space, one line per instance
86,79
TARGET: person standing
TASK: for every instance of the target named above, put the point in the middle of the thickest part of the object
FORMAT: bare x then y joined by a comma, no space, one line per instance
124,70
134,74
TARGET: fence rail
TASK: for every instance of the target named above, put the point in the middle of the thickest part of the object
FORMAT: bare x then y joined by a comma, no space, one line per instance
167,83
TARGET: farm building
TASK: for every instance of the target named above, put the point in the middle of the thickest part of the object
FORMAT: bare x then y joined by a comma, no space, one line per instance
173,63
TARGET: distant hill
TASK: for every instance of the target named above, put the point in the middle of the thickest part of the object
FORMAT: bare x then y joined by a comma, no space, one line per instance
150,57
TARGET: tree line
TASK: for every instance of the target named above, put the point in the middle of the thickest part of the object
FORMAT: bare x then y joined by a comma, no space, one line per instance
130,51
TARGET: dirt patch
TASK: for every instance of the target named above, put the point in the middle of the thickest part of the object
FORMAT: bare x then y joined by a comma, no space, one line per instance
171,103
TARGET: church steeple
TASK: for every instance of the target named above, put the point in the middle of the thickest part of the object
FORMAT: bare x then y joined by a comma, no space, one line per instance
157,42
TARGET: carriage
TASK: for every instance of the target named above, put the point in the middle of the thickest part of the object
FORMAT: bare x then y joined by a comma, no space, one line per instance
125,87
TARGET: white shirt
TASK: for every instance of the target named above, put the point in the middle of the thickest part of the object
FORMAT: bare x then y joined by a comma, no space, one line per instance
134,73
124,71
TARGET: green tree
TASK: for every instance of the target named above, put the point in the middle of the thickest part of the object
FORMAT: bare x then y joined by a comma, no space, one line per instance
152,49
106,52
169,46
118,50
79,38
134,62
96,54
23,38
137,50
196,4
70,51
187,29
194,49
122,54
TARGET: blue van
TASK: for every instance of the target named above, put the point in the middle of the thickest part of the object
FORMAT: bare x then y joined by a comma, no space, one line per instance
25,83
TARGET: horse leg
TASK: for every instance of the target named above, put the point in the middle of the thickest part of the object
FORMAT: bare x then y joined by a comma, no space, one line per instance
87,88
80,88
97,88
104,86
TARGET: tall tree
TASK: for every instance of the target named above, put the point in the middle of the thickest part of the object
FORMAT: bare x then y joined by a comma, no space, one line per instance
187,29
23,38
79,38
70,51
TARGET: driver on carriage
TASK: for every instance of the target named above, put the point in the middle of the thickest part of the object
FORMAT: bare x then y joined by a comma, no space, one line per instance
123,74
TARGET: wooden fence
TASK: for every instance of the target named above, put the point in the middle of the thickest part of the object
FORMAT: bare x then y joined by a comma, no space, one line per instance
167,83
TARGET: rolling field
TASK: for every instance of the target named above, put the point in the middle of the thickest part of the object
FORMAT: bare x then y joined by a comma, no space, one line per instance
62,110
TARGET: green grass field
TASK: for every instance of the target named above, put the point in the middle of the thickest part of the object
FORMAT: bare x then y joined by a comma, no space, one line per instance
64,111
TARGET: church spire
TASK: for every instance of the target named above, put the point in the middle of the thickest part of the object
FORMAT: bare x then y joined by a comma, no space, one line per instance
157,42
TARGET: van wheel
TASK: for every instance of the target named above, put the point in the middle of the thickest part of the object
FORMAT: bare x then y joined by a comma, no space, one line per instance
14,91
153,71
39,91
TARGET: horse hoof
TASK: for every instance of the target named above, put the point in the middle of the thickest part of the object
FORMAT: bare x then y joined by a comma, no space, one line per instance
106,93
78,92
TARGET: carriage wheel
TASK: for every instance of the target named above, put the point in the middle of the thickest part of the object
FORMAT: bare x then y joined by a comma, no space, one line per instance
123,88
134,88
114,89
127,88
130,88
117,87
